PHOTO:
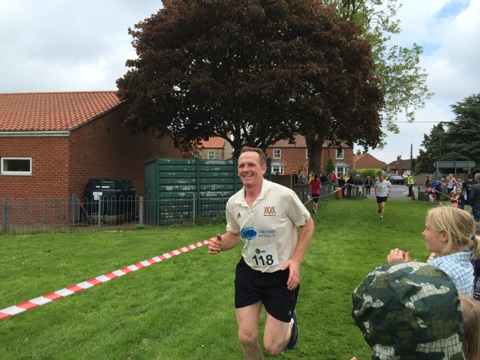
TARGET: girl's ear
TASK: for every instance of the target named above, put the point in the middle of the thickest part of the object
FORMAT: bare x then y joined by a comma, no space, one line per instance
445,236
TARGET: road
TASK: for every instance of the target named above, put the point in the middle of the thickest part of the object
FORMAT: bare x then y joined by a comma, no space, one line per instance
399,192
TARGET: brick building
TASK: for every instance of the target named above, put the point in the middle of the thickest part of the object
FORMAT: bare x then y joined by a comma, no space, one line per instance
287,157
51,144
399,166
215,148
367,161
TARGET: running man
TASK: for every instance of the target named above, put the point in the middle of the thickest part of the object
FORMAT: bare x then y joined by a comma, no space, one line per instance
265,216
383,188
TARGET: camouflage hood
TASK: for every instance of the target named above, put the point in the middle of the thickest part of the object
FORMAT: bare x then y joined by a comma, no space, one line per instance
409,311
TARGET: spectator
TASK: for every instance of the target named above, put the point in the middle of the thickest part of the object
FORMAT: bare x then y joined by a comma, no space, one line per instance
448,232
467,185
302,180
323,178
368,185
341,183
409,311
437,190
350,184
295,177
428,182
311,174
471,327
474,198
459,200
410,185
451,183
333,178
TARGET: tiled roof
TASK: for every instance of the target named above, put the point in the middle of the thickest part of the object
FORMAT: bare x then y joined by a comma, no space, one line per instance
214,142
302,143
53,111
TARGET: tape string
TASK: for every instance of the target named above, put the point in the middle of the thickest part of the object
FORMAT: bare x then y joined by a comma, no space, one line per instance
59,294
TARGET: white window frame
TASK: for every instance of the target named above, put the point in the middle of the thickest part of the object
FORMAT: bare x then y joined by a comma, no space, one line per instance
339,153
277,153
4,170
278,169
341,170
211,155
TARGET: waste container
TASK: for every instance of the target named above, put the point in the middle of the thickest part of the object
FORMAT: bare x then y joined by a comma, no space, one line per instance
117,196
338,193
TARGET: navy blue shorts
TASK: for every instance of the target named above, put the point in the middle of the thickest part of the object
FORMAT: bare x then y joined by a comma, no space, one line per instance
252,286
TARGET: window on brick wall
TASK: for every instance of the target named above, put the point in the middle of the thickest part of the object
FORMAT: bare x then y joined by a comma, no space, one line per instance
277,169
277,153
340,170
339,153
16,166
211,155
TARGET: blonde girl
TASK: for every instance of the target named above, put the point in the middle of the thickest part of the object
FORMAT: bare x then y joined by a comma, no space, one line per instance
449,232
471,327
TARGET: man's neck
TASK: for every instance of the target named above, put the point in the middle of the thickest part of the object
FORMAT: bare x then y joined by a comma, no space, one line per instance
252,193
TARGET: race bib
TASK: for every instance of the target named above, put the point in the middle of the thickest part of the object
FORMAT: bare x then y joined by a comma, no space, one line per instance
262,256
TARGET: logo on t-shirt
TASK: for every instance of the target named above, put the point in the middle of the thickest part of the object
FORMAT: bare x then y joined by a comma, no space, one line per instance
248,233
269,211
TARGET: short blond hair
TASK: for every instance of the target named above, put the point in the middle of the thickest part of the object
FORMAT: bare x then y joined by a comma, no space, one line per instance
471,320
457,223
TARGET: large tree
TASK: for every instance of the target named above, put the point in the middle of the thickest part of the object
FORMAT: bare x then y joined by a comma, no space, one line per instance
454,140
434,145
402,79
252,72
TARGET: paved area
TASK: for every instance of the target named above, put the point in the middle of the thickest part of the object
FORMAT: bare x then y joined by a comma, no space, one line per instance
399,192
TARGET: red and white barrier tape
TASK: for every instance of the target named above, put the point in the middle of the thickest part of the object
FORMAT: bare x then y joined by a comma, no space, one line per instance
42,300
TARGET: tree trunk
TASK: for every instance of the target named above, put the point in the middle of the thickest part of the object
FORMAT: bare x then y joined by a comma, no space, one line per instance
314,150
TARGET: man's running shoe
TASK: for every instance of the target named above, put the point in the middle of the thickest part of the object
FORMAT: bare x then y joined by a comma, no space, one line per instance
294,337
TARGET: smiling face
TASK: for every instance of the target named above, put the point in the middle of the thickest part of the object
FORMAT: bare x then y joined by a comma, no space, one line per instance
250,170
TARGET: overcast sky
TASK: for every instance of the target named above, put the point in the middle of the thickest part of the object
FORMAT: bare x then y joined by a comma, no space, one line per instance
66,45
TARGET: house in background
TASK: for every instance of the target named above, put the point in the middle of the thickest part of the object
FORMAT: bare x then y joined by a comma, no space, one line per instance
287,157
215,148
399,167
51,144
367,161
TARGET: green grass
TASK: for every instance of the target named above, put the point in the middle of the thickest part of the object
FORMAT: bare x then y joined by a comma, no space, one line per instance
182,308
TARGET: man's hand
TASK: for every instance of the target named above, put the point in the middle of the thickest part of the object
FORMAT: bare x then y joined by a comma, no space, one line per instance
215,244
294,276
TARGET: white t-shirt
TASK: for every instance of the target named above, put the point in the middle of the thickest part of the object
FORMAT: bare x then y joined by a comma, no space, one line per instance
268,229
382,188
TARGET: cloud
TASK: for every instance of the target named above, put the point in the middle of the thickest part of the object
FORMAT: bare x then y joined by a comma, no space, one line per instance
56,45
59,45
448,31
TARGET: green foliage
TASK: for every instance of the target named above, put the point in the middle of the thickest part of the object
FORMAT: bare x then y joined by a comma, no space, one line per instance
182,308
330,166
252,72
373,173
455,140
402,79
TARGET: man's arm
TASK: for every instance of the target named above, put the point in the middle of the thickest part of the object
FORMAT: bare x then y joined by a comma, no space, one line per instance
223,242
